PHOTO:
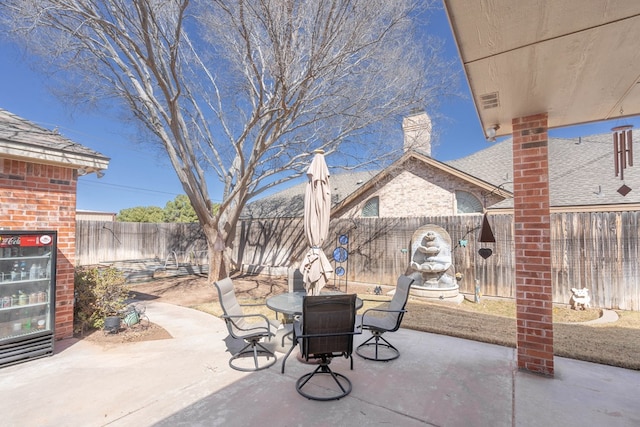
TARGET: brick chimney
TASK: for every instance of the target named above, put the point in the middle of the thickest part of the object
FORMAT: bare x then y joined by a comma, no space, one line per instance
417,133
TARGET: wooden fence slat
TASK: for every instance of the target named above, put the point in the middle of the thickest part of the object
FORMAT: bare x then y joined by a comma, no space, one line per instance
596,250
99,242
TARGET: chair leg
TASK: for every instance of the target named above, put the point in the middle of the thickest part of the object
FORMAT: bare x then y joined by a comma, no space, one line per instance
377,337
343,383
256,350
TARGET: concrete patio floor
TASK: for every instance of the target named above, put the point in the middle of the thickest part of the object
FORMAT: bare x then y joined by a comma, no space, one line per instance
437,381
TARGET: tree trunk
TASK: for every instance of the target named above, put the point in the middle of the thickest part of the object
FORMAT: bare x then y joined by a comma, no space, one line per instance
217,268
218,265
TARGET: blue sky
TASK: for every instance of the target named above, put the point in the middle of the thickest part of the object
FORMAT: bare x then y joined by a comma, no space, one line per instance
139,176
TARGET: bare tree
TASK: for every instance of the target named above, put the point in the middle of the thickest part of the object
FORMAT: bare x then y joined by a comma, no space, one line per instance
243,90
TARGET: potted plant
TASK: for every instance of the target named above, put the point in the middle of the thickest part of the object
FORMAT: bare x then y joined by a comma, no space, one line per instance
112,324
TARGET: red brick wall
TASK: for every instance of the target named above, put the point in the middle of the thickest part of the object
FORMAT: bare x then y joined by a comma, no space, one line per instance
534,311
43,197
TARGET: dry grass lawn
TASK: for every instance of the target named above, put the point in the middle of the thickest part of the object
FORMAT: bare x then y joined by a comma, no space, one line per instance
490,320
616,344
493,321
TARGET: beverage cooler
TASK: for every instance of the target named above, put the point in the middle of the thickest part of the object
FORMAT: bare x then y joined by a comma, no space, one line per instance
27,295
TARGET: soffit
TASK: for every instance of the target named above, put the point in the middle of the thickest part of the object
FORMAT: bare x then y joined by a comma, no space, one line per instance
577,60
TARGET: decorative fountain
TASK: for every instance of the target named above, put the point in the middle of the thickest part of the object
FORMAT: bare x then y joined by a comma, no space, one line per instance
431,265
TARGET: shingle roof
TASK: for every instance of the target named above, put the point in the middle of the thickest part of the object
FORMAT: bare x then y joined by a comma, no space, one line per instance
581,171
18,135
493,164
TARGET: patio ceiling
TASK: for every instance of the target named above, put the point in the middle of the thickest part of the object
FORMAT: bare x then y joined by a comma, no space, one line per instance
577,60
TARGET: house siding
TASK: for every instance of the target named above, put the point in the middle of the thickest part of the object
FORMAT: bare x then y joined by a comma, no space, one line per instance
417,190
43,197
95,216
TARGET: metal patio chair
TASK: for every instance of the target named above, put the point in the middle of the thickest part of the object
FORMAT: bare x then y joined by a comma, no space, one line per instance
326,331
251,328
381,320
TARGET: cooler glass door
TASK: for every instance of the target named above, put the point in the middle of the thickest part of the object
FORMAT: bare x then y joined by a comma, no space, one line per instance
27,292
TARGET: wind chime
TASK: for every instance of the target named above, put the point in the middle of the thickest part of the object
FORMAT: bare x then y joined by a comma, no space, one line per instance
486,236
486,233
622,153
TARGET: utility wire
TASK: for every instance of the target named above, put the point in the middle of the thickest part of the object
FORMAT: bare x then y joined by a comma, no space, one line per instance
134,189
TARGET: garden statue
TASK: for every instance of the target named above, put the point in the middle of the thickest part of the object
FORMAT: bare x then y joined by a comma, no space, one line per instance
580,299
431,264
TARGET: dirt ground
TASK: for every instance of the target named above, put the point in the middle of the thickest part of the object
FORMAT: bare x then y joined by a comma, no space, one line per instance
491,320
187,291
194,291
191,291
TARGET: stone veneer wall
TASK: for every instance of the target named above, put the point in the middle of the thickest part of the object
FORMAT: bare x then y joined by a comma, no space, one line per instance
43,197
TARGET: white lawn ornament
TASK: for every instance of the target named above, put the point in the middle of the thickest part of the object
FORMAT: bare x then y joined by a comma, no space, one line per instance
580,299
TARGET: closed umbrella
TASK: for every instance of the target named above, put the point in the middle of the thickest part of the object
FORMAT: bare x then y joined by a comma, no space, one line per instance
316,268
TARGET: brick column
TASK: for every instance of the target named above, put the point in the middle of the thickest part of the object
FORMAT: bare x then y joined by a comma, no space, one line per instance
534,311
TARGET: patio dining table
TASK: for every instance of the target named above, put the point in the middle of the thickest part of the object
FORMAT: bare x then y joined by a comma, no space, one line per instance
290,304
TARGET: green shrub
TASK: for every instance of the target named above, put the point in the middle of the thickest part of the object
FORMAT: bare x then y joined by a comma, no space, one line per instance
99,292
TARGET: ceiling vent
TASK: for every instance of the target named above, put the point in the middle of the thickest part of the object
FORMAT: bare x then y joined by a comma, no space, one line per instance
489,100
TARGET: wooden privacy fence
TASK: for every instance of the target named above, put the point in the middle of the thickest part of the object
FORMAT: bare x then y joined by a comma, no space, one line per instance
98,241
598,251
379,248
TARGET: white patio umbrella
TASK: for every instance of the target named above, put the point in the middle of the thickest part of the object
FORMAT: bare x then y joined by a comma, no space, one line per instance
316,268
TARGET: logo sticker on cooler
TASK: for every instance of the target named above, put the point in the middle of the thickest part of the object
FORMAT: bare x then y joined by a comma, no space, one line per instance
10,241
26,240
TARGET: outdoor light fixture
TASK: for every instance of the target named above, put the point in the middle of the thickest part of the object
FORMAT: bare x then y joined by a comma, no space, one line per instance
99,174
82,172
491,132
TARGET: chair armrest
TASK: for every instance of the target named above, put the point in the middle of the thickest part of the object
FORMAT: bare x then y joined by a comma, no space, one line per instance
384,301
241,316
381,310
